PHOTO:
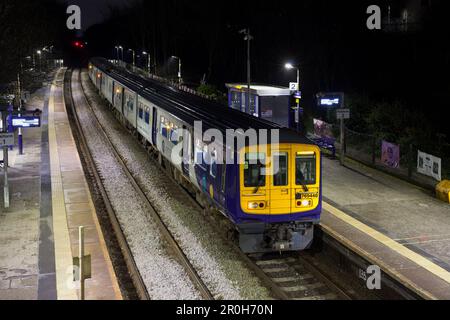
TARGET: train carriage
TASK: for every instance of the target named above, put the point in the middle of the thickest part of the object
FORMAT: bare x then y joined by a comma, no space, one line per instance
271,192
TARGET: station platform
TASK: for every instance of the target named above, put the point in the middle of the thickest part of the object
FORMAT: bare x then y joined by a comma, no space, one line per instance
393,224
50,199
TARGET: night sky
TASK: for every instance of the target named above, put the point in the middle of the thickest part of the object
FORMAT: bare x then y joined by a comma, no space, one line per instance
380,71
94,11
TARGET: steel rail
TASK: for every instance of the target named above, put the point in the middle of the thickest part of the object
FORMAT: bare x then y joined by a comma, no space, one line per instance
170,239
126,251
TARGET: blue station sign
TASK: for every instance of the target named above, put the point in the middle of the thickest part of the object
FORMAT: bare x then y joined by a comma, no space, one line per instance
26,121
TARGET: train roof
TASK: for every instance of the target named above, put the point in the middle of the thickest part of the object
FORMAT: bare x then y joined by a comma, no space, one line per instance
190,108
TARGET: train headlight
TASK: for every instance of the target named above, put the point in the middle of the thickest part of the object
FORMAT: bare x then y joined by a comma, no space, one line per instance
256,205
253,205
304,203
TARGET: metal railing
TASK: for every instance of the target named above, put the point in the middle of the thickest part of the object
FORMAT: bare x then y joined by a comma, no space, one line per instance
172,83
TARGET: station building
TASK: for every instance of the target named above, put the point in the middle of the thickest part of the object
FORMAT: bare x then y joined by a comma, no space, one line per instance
271,103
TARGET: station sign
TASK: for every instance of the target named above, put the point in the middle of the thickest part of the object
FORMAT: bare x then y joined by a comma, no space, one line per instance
26,122
298,95
293,86
330,100
343,114
6,139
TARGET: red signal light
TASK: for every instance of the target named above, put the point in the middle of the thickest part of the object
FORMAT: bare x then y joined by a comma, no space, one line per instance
78,44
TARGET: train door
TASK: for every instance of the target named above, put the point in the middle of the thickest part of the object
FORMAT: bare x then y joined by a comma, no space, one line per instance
223,183
154,125
186,150
280,182
214,173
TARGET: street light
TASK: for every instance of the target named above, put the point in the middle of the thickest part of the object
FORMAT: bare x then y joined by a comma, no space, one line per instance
117,52
134,55
118,48
149,66
179,68
39,52
248,37
290,66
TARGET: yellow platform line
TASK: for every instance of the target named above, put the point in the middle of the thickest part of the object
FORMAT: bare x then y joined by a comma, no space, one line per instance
65,286
390,243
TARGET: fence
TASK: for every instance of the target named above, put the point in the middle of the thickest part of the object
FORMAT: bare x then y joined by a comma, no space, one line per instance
367,149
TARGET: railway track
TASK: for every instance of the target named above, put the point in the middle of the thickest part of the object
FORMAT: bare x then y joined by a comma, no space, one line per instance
88,158
288,276
165,232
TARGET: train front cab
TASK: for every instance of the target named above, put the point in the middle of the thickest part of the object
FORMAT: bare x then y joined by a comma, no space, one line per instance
280,192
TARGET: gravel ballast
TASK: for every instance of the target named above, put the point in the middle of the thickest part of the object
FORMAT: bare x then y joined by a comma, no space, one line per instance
214,259
163,276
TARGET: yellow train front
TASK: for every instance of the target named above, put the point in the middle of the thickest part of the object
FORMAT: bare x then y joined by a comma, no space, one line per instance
280,195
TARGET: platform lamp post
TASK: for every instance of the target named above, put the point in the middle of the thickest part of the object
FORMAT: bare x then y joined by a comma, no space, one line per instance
117,52
19,94
134,56
149,66
39,52
179,68
289,66
248,37
120,48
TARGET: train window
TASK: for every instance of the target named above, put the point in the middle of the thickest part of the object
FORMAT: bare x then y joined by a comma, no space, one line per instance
163,127
174,136
254,170
130,103
206,155
280,167
147,117
305,173
141,111
200,159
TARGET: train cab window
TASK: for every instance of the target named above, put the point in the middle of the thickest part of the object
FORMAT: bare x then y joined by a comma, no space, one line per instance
280,169
141,111
254,170
305,172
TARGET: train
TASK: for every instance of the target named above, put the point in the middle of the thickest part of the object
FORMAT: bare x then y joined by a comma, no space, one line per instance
268,188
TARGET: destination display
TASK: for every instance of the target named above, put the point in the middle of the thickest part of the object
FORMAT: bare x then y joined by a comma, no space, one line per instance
26,122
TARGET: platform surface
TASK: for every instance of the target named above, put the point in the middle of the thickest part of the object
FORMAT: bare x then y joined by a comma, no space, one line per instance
399,226
50,199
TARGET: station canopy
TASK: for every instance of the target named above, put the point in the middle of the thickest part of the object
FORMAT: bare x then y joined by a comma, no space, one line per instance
260,90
